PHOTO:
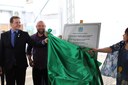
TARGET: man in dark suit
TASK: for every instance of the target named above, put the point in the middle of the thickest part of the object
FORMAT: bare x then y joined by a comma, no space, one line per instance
0,59
13,55
1,73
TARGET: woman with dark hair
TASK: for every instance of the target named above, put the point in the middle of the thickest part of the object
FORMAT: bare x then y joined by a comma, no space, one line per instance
122,63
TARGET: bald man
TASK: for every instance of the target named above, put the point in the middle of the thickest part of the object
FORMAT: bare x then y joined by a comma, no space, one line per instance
39,61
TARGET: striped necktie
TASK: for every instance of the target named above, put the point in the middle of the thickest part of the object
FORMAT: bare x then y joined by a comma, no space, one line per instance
13,38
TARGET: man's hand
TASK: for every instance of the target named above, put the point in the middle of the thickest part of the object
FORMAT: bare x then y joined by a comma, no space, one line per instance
1,71
46,40
31,63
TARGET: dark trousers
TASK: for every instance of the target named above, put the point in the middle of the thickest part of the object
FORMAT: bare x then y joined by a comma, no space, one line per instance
15,76
2,79
40,77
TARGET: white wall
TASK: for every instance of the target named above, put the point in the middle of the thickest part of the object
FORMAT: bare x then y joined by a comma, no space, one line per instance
112,14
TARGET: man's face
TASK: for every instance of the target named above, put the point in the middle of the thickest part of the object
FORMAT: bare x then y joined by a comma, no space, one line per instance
15,24
41,27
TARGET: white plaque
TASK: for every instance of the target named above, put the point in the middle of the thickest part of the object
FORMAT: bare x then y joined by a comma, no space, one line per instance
84,35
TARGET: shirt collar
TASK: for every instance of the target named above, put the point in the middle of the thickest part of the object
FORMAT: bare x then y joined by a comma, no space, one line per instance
12,31
39,36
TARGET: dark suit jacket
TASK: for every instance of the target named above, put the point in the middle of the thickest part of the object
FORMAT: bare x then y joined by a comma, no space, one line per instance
0,53
14,56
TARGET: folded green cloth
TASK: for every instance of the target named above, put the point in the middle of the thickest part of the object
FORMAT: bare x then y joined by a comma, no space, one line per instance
69,64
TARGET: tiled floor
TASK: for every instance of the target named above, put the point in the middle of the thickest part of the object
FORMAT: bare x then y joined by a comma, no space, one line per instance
28,77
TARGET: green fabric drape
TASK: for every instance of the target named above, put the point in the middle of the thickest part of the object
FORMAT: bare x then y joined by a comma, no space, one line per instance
68,64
